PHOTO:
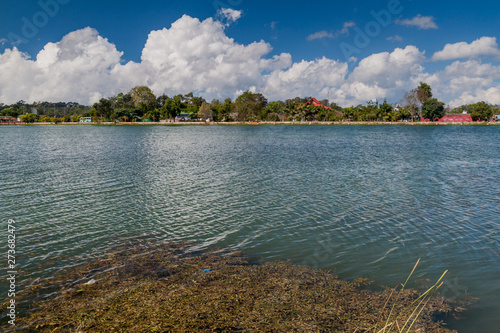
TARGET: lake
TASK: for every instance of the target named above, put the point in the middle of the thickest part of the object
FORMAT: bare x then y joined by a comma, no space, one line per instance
360,200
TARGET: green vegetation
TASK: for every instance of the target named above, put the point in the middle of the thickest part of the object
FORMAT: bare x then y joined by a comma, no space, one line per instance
166,288
141,104
482,111
433,109
412,311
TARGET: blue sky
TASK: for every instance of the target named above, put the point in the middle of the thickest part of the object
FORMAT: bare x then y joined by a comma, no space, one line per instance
348,51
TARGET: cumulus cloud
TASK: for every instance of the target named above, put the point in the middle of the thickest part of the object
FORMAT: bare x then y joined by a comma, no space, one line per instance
77,67
419,21
305,78
198,56
383,75
489,95
465,82
328,34
484,46
191,55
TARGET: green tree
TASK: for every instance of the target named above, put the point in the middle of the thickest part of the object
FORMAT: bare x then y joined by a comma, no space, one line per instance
11,112
104,108
274,110
154,115
249,106
172,107
29,118
386,112
123,101
161,100
226,109
432,109
205,111
424,92
481,111
143,98
348,113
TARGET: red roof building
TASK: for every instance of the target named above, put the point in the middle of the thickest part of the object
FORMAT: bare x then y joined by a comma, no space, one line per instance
451,118
314,102
456,118
8,120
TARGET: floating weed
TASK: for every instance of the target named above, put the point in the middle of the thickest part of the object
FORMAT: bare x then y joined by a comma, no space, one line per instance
165,288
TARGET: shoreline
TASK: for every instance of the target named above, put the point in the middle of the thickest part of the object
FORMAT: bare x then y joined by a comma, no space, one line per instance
288,123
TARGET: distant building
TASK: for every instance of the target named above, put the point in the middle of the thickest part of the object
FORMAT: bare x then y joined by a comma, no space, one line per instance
451,118
184,116
456,118
85,119
314,102
8,120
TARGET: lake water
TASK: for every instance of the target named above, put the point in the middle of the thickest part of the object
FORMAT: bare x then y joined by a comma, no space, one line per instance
362,200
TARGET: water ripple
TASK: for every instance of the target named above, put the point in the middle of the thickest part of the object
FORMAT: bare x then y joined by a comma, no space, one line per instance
366,200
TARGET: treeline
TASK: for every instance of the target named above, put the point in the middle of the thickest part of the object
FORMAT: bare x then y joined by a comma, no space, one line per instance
141,104
44,111
420,105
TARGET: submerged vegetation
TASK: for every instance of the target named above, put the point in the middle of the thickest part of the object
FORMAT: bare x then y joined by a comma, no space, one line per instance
169,288
140,104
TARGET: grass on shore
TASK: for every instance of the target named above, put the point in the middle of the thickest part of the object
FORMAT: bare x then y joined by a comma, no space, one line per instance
165,288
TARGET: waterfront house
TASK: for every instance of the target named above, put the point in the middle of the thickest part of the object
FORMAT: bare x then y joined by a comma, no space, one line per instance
314,102
456,118
8,120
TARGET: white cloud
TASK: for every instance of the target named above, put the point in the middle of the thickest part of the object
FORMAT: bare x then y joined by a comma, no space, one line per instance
3,41
326,34
396,38
76,68
489,95
19,76
484,46
198,56
347,25
465,82
305,78
383,75
320,35
419,21
229,15
189,56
